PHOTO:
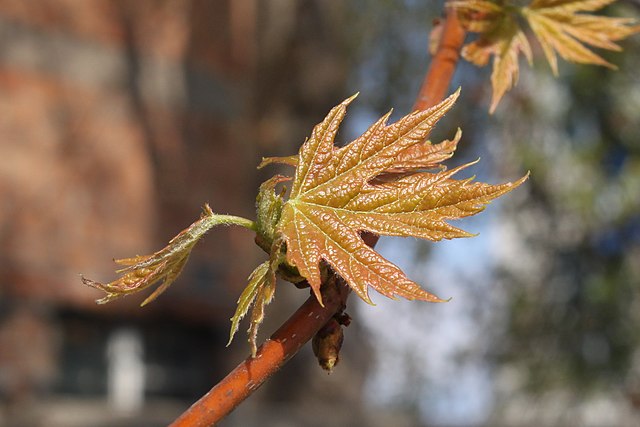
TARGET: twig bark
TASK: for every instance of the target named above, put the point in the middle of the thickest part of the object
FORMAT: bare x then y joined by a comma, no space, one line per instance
310,317
275,352
443,64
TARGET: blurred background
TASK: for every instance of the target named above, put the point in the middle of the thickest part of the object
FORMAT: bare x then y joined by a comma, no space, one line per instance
119,119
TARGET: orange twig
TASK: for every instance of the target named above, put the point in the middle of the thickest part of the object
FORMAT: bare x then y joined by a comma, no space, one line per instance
275,352
444,62
438,77
310,317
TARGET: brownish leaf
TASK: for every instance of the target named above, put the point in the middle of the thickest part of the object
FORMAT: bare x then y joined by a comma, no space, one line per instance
556,24
388,181
335,196
142,272
500,37
561,29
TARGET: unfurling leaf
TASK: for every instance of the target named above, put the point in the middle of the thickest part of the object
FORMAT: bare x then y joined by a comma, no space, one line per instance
259,292
142,272
338,193
268,210
556,24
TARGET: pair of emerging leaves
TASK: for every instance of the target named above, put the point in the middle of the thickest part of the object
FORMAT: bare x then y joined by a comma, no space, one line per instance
389,181
556,24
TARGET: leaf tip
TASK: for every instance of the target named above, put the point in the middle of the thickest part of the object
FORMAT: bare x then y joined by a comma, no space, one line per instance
318,296
450,100
206,210
149,299
86,281
231,335
350,99
288,161
517,183
436,299
494,105
263,162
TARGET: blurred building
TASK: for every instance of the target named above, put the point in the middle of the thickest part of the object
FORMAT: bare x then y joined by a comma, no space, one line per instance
118,120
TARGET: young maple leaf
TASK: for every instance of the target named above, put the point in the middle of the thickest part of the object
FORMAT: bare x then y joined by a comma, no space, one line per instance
555,23
501,37
559,28
336,195
259,292
165,265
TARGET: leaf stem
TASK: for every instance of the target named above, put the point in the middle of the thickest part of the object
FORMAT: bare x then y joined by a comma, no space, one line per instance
249,375
232,220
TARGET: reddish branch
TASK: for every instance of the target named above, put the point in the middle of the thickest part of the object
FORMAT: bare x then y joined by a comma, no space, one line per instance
443,64
283,344
310,317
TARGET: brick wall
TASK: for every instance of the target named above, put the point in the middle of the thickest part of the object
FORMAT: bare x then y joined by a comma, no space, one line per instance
118,120
115,122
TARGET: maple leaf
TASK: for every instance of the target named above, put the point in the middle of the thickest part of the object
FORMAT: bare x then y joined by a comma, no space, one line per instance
555,23
259,292
560,29
336,196
142,272
501,37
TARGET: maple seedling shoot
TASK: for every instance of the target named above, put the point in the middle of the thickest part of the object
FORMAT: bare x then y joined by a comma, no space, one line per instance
389,181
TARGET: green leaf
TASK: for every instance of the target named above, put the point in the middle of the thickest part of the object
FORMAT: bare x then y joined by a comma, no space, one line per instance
259,292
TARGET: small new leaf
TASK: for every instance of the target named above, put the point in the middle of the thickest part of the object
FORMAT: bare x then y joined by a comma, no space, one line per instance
268,210
377,183
142,272
259,292
501,37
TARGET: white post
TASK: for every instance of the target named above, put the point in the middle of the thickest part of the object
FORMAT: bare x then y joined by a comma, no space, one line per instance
126,371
